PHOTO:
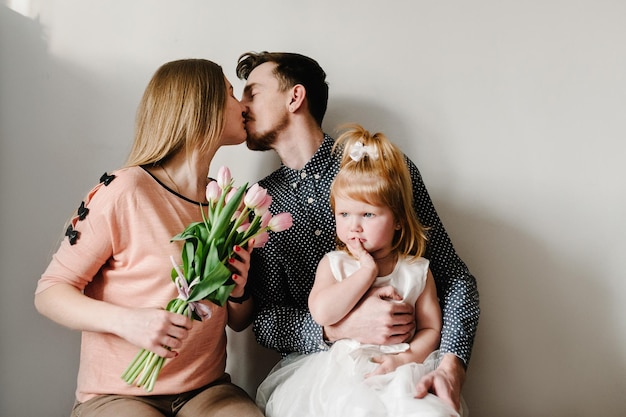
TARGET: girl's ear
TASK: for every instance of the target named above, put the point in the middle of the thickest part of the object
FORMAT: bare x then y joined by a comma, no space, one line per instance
296,97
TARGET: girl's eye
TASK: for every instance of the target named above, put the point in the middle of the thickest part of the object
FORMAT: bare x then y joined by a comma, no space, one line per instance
342,214
368,215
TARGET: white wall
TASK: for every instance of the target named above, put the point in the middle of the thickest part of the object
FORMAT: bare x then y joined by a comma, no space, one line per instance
513,110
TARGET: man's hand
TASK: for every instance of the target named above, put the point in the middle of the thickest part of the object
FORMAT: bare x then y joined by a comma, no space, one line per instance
445,382
376,319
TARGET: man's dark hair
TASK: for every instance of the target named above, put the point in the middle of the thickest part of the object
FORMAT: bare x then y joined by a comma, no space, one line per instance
292,69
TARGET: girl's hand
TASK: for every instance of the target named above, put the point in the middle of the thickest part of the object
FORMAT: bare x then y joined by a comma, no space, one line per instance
240,265
363,256
156,330
386,364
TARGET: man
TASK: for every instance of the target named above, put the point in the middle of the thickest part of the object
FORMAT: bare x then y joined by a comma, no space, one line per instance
286,97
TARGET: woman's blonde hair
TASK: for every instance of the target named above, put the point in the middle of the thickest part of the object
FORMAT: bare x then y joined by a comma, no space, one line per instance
377,174
182,108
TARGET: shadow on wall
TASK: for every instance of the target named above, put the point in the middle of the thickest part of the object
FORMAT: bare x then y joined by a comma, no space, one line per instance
46,165
35,355
538,325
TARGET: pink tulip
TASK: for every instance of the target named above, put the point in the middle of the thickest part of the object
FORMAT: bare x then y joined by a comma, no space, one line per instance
265,219
224,179
280,222
230,195
255,196
263,206
243,227
213,192
261,239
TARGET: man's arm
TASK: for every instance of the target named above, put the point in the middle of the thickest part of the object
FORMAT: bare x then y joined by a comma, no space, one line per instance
279,323
375,320
456,287
458,294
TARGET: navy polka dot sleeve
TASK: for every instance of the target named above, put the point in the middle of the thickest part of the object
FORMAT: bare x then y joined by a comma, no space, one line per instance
282,273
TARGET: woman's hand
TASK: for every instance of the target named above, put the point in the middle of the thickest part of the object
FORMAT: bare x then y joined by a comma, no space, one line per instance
148,328
240,313
240,265
156,330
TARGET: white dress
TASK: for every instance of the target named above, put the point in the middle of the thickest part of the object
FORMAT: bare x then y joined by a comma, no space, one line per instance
331,383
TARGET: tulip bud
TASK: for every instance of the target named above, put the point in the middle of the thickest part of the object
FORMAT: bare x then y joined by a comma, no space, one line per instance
263,206
243,228
261,239
224,179
213,192
265,219
280,222
255,196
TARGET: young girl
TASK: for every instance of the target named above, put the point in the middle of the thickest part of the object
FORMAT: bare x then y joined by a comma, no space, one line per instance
379,244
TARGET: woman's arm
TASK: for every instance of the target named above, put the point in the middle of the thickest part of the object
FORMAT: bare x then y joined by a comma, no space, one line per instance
427,335
148,328
239,304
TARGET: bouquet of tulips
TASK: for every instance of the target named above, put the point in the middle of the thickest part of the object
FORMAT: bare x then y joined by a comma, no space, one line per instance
233,217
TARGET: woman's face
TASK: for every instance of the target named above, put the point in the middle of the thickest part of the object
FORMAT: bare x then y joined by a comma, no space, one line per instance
234,122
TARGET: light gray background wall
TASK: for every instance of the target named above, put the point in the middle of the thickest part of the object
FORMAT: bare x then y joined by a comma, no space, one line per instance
513,110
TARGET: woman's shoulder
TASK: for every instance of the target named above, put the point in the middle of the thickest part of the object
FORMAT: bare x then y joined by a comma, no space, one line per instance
114,184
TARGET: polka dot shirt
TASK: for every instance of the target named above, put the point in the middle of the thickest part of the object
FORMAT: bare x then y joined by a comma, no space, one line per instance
282,273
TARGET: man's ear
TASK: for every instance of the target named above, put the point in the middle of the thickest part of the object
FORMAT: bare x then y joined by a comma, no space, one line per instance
297,97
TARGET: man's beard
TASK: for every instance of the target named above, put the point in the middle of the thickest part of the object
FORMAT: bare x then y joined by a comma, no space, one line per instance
265,141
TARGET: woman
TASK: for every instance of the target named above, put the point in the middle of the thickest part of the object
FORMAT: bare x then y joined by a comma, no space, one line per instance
110,277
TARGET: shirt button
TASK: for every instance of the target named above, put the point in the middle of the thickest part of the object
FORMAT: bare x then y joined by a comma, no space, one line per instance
310,200
303,175
318,232
316,176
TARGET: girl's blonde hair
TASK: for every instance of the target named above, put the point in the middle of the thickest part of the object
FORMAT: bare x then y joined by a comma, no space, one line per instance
379,177
182,108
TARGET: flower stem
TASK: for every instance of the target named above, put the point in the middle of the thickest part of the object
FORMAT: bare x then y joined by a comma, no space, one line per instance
135,367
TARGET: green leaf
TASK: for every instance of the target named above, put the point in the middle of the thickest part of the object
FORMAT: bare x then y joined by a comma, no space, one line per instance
188,257
214,275
225,216
189,231
213,280
222,294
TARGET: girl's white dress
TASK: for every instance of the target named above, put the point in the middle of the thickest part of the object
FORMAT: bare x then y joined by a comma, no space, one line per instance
331,383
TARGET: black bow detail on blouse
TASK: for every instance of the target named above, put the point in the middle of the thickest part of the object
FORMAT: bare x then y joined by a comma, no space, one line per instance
82,211
106,178
71,234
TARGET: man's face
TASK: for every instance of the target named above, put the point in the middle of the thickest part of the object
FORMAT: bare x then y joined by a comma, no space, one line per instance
266,106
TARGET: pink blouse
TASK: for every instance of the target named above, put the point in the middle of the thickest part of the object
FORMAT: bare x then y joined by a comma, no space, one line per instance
121,255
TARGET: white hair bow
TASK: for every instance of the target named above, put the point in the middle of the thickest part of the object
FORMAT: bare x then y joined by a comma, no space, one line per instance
359,150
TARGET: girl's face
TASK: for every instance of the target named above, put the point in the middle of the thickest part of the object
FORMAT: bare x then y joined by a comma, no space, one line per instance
234,122
372,226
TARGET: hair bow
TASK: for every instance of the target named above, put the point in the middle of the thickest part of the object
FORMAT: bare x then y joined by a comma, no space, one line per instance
359,150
